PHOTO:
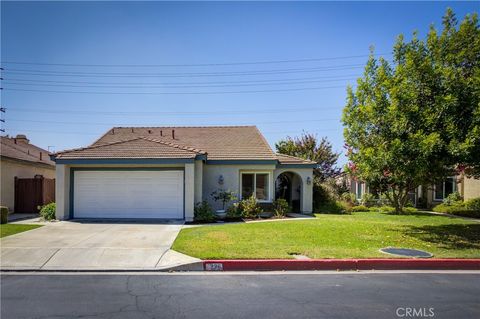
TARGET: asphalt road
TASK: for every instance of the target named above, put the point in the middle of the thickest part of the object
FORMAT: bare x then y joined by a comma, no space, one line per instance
281,295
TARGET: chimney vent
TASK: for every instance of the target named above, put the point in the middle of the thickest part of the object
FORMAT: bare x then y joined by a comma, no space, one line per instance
21,138
113,131
173,134
132,129
161,133
149,131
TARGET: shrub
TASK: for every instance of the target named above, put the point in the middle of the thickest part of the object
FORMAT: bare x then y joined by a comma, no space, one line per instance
349,198
382,209
234,211
47,212
359,208
368,200
410,210
281,207
445,208
223,196
3,215
453,198
250,207
334,207
203,212
473,204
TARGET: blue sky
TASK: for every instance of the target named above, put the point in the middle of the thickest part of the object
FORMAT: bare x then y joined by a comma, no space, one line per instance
188,53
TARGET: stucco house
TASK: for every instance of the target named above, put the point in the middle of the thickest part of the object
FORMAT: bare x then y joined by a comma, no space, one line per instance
162,172
427,196
21,159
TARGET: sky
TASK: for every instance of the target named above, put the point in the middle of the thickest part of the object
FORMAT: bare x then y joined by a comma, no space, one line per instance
74,70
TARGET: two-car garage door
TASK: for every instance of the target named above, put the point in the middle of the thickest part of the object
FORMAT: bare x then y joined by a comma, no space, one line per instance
128,194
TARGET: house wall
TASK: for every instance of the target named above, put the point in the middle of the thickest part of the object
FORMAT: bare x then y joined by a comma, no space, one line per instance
231,179
200,181
9,169
470,188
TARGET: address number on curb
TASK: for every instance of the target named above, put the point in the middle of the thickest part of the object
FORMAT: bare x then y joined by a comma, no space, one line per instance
214,266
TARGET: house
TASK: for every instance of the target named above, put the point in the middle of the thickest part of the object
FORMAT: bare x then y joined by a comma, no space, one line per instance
19,159
427,196
162,172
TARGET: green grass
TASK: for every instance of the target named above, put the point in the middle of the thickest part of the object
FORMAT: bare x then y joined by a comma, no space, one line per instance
11,229
359,235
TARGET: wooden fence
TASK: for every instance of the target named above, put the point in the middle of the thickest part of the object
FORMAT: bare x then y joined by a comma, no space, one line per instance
33,192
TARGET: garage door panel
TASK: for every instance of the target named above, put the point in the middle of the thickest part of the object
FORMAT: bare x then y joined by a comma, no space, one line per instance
128,194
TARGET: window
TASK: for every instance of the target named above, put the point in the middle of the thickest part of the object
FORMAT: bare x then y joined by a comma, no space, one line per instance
359,190
445,188
257,184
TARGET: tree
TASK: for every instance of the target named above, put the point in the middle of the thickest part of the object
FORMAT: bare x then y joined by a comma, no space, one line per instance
415,120
307,146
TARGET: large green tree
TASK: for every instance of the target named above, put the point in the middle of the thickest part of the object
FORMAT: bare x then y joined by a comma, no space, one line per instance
413,120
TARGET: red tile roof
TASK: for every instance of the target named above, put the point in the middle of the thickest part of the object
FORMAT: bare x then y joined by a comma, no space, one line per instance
137,147
17,149
219,142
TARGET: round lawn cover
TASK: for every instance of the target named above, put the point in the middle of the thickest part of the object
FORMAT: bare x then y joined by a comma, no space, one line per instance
406,252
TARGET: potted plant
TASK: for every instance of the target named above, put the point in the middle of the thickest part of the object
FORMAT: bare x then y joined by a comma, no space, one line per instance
224,196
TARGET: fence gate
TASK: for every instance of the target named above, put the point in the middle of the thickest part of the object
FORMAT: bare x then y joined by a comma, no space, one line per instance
33,192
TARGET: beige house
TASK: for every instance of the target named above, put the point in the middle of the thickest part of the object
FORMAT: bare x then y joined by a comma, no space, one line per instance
428,196
162,172
20,159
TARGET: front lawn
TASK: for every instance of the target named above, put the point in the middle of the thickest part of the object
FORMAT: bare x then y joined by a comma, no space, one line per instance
359,235
11,229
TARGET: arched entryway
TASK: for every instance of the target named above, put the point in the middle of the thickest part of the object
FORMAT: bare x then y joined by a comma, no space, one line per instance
288,186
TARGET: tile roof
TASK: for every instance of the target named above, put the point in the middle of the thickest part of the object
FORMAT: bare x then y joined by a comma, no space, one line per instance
219,142
14,148
136,147
288,159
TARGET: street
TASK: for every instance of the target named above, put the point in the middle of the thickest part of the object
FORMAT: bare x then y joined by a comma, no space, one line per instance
241,295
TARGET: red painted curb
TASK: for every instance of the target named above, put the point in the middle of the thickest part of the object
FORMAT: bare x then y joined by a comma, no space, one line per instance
341,264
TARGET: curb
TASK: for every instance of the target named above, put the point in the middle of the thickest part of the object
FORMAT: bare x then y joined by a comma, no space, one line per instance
341,264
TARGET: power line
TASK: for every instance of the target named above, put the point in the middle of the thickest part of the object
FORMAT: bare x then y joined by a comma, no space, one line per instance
185,83
197,74
43,109
143,124
176,86
179,93
99,134
198,64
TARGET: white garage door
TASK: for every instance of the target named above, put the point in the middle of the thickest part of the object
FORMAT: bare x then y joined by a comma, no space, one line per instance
128,194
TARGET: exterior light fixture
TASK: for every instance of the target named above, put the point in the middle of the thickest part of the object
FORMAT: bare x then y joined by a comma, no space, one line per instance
220,180
309,180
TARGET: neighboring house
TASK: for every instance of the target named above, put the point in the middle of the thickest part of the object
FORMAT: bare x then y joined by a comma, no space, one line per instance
162,172
20,159
427,196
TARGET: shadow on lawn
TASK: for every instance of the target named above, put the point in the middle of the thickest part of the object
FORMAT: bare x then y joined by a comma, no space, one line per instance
448,236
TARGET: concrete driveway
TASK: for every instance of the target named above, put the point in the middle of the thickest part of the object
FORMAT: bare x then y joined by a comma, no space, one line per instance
75,245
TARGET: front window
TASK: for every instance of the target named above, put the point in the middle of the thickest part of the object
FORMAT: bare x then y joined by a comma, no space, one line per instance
445,188
359,190
257,184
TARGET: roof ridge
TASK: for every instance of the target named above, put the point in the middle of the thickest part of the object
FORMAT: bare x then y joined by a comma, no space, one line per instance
296,157
180,126
96,146
264,140
19,148
182,147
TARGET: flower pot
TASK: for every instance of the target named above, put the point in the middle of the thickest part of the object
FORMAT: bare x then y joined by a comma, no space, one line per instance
221,214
